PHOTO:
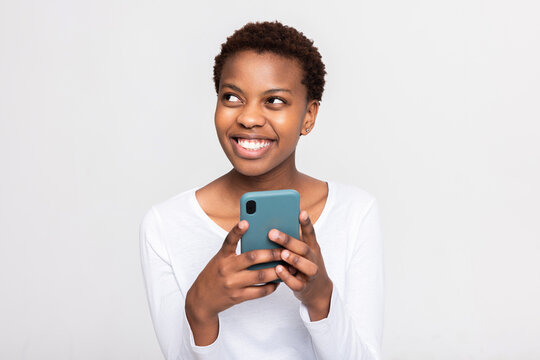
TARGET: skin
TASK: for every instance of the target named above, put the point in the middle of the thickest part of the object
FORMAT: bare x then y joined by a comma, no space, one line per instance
248,103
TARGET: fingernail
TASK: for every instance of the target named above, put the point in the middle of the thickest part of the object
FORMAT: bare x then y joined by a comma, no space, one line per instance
285,254
279,268
273,234
305,216
241,225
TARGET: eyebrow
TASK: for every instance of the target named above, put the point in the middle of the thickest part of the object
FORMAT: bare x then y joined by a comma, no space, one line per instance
236,88
277,90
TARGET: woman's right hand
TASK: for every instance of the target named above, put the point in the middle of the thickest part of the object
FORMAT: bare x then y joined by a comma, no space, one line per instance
225,282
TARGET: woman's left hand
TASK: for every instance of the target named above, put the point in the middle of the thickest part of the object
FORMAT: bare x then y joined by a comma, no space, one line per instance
311,283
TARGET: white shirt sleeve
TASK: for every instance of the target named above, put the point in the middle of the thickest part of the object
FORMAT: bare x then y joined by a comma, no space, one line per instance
353,328
166,301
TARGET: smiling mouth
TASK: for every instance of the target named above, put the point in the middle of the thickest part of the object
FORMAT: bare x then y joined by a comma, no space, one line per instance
252,144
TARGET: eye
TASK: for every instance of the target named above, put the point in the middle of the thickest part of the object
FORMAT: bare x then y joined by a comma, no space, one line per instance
231,98
276,100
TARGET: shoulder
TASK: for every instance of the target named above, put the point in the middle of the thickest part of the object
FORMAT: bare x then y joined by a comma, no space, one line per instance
179,206
350,196
350,204
358,212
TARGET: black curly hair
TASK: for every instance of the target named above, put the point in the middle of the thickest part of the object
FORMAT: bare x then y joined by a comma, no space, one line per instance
279,39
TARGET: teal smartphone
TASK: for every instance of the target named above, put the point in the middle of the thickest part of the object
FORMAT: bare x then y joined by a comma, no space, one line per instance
264,211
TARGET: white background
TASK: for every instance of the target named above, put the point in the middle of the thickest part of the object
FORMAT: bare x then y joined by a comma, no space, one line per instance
106,108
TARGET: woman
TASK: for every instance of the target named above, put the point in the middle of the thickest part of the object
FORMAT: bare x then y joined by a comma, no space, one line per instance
204,303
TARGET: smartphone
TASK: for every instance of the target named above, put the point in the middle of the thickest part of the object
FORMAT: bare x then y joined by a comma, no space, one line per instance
267,210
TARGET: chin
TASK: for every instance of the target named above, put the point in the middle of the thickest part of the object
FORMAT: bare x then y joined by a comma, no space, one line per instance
251,169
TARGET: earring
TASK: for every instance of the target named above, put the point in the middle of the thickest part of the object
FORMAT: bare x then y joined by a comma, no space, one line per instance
307,130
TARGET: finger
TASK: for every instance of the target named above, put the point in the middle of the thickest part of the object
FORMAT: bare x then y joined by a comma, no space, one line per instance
289,242
293,282
247,278
255,292
308,232
300,263
231,241
245,260
292,270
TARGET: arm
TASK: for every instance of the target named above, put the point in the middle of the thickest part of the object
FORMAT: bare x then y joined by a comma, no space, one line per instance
353,328
187,325
165,299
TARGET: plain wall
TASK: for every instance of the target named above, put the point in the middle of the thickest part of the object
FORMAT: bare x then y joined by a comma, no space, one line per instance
106,107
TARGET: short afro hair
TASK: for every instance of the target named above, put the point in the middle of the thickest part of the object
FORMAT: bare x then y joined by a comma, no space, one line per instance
279,39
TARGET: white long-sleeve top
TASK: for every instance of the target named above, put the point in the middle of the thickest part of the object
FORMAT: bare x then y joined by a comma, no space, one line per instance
178,239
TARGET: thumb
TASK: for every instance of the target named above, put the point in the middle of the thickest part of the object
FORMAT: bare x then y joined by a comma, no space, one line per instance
231,241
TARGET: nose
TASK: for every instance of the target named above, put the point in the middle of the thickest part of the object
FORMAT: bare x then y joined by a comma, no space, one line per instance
251,116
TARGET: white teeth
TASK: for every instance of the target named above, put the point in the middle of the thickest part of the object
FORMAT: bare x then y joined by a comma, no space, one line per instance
253,144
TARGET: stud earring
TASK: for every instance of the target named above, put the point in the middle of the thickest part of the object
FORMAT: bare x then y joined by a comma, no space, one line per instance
307,130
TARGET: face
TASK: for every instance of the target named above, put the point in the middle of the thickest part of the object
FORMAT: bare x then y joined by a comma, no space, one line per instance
261,111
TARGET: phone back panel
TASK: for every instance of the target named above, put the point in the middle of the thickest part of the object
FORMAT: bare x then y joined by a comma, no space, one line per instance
275,209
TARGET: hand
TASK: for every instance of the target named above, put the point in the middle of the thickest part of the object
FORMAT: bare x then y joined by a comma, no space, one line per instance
311,284
225,282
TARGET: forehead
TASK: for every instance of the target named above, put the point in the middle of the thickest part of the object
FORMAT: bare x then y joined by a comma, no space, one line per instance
251,70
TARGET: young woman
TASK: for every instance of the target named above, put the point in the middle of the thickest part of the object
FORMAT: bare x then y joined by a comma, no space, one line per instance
204,302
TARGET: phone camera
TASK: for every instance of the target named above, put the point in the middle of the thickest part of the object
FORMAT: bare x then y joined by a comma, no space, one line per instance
251,207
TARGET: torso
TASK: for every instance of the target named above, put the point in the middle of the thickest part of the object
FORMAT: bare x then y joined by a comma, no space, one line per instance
224,211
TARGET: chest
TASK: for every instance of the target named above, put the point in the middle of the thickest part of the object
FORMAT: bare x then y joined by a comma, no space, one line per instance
228,219
192,249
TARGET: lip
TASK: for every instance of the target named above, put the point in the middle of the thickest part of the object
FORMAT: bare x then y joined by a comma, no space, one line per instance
250,136
250,154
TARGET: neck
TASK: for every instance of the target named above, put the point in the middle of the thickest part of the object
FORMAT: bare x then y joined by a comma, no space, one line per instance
285,176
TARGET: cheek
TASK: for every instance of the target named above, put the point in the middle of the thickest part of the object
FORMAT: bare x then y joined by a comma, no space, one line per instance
289,126
223,118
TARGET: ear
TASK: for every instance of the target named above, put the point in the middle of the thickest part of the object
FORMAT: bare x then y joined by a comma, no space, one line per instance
310,117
